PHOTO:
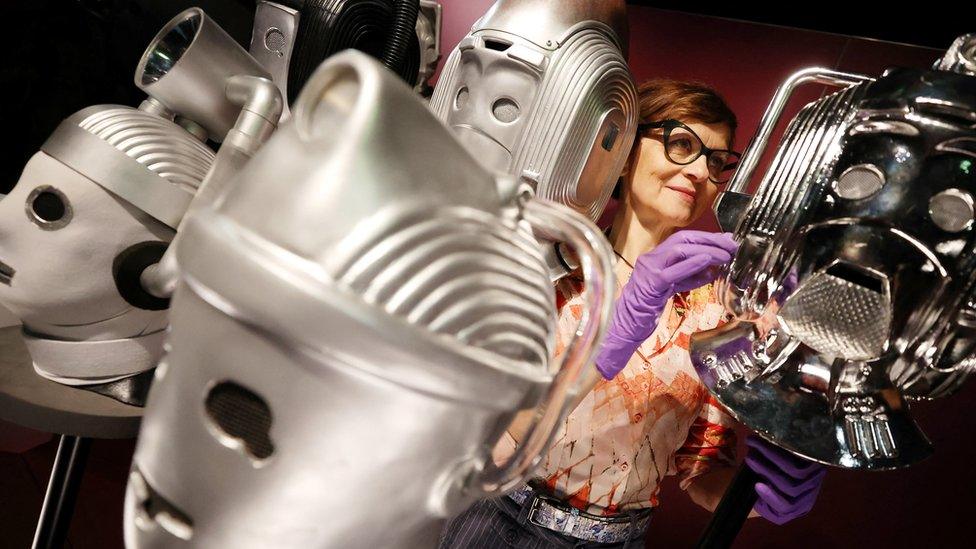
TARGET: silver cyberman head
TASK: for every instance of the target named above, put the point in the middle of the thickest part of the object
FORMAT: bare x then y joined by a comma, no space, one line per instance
540,89
862,231
354,328
96,208
98,203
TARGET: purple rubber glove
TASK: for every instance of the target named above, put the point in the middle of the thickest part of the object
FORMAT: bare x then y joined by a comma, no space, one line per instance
789,285
681,263
789,485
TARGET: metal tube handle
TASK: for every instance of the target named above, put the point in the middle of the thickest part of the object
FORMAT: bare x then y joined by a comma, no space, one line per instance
561,224
261,106
757,145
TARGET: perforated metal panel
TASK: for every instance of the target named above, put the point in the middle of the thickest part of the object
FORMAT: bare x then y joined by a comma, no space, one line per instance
858,182
505,110
839,318
275,41
952,210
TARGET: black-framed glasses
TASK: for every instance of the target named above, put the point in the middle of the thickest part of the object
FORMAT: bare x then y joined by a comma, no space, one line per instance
683,146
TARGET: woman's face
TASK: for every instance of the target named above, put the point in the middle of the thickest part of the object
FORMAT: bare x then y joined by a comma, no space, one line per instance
662,192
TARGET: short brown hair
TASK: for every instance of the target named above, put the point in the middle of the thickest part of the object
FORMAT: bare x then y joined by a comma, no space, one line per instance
663,98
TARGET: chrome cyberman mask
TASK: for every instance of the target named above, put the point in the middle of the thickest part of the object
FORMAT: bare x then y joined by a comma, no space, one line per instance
354,328
292,37
99,204
855,283
540,89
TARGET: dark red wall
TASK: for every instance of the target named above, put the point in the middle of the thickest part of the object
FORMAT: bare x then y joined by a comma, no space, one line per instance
922,506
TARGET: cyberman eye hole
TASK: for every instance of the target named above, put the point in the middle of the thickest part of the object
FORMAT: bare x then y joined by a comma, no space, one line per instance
859,182
241,419
506,110
48,208
497,45
461,98
952,210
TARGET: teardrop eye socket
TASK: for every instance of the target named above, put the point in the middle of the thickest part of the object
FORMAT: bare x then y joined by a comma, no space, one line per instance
48,208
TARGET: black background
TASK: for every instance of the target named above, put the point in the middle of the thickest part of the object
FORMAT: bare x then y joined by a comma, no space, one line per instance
59,56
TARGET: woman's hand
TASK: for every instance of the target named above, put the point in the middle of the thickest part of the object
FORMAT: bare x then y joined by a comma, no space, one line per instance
789,484
681,263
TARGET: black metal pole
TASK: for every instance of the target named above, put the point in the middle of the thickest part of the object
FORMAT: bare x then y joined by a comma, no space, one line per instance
62,492
732,511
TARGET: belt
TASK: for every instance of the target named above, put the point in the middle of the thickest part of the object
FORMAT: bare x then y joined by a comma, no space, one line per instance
552,514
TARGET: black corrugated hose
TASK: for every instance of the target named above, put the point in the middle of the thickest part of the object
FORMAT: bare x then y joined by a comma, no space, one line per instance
402,33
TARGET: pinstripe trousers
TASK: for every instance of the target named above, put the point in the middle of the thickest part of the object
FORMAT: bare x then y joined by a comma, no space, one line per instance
500,523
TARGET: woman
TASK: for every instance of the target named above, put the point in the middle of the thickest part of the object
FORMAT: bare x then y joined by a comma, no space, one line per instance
650,417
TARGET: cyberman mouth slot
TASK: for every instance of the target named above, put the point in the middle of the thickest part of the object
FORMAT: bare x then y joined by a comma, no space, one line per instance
157,509
6,273
856,276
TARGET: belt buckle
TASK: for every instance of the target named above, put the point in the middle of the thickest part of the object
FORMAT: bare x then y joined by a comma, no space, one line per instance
566,527
534,508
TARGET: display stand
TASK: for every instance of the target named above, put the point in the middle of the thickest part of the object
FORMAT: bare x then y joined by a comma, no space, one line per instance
29,400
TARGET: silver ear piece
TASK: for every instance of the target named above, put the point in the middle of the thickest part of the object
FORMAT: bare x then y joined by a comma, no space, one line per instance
127,271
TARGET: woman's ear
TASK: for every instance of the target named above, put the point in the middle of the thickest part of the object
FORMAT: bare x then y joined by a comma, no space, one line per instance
630,160
625,172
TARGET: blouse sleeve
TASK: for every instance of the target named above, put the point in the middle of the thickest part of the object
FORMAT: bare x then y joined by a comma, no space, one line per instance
711,438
